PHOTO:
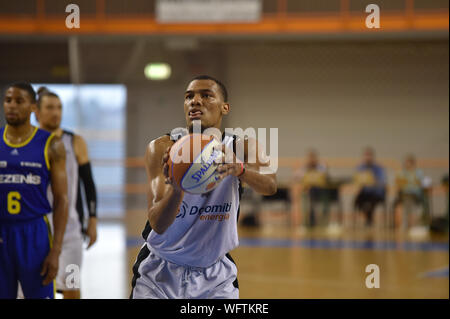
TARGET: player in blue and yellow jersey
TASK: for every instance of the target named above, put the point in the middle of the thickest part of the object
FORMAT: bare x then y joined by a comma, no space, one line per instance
79,182
31,161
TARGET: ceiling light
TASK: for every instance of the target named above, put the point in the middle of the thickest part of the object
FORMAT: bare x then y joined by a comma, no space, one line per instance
157,71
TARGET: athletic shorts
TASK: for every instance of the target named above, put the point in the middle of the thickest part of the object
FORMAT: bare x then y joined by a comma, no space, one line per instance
24,246
156,278
69,270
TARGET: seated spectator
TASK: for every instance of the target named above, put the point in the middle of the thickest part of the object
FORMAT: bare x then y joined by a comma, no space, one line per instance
410,194
313,177
371,179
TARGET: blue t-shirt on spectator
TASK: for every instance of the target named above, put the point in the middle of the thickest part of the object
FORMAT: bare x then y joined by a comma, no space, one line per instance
380,179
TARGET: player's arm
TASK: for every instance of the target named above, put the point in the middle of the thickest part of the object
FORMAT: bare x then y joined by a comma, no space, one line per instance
57,159
85,175
164,198
252,171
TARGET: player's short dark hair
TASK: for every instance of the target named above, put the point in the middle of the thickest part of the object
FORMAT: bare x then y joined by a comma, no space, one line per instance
26,87
43,91
222,87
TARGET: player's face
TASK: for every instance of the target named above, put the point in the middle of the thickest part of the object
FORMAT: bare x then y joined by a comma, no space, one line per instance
312,158
17,106
203,101
50,112
410,164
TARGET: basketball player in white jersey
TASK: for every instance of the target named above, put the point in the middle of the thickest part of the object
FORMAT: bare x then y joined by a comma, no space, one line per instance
49,114
186,254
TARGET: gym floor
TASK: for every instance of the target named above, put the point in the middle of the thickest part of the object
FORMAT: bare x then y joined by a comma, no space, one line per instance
291,263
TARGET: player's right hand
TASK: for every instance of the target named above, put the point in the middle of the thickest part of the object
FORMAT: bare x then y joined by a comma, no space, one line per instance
50,267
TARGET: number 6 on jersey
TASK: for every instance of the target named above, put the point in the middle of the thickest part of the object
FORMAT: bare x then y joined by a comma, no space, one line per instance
13,203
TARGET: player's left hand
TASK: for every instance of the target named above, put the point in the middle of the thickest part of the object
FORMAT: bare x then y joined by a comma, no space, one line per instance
91,231
230,164
50,267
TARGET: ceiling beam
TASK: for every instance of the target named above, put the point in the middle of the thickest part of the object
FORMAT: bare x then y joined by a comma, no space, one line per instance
270,24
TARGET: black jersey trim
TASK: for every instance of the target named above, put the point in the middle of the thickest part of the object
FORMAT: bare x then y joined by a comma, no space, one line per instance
143,254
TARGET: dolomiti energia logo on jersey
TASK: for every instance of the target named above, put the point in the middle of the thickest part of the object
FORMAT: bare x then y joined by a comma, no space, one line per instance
223,209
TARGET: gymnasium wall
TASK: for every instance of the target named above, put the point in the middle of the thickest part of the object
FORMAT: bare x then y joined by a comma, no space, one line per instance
334,96
339,97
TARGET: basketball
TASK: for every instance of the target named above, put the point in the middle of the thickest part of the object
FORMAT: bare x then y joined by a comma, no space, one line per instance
192,163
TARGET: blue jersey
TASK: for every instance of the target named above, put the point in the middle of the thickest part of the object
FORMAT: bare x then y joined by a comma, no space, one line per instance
24,177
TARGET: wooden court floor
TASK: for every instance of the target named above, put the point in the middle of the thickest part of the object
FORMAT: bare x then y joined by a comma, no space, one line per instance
283,262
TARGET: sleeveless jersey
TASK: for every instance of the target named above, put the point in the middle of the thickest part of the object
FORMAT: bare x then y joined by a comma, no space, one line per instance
73,220
24,177
205,228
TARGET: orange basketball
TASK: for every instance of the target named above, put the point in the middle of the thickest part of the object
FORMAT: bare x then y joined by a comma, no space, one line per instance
192,163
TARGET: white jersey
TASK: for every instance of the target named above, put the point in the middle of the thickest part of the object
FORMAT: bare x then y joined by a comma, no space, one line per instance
73,222
205,229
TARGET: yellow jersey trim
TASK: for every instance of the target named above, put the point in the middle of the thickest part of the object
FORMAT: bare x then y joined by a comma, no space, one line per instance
21,144
50,237
47,144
